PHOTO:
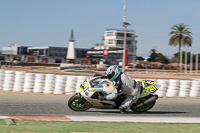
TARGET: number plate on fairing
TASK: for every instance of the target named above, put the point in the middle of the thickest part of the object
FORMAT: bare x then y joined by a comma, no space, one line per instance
150,86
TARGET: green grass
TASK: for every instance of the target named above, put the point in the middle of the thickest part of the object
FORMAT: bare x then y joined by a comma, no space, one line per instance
27,126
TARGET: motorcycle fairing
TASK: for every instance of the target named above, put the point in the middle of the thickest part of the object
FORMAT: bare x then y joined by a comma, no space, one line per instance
149,87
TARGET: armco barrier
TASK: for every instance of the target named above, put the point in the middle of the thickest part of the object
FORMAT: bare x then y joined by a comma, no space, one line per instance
65,84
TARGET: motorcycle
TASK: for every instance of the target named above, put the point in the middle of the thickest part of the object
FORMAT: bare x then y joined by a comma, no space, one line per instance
87,95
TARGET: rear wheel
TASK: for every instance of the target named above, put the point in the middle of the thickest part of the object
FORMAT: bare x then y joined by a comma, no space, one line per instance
78,104
143,108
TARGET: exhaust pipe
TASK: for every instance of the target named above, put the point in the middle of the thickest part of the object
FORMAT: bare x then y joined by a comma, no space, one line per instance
152,98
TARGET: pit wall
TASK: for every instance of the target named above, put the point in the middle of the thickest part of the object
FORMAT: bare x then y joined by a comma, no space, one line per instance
20,81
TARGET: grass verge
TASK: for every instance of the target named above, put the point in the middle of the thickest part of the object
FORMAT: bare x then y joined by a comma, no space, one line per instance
28,126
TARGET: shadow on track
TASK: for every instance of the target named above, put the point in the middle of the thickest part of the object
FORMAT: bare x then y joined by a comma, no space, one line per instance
130,112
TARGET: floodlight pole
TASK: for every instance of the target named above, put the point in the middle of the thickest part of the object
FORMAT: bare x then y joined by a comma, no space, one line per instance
185,61
196,63
125,24
180,63
134,53
124,50
191,62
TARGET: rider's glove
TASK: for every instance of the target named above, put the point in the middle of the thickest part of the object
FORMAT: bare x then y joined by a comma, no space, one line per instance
100,97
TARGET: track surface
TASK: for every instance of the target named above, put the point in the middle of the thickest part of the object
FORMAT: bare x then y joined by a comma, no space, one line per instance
22,104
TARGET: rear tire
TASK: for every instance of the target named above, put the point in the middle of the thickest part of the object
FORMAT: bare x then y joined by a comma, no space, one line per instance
78,104
143,108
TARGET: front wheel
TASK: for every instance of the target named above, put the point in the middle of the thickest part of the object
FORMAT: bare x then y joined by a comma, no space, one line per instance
143,108
78,104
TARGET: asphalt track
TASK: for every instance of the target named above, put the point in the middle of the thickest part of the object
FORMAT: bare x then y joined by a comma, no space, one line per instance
185,110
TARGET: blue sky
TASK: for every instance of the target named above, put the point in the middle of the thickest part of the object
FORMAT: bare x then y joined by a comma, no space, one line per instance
49,22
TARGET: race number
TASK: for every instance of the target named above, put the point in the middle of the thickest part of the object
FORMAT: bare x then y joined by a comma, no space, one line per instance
150,86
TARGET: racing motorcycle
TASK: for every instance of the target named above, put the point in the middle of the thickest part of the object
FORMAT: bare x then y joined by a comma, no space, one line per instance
87,95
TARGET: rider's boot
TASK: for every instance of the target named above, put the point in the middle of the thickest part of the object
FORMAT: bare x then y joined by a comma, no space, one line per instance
122,110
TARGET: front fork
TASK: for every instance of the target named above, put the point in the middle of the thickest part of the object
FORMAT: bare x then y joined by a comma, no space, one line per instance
78,95
84,101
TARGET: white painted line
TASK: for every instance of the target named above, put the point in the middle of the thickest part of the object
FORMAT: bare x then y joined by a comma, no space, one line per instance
136,119
4,117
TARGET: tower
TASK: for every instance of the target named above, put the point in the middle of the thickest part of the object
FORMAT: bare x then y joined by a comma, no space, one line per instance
71,55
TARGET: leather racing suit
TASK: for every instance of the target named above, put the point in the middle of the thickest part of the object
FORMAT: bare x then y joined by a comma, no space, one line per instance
125,85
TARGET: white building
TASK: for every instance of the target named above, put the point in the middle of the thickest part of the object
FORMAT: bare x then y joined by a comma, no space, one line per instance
114,38
14,49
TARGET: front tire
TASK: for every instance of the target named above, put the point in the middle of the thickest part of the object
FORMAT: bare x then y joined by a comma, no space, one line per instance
78,104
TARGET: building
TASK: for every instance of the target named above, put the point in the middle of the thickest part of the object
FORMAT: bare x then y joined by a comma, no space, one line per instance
48,51
114,40
108,56
14,49
111,51
48,54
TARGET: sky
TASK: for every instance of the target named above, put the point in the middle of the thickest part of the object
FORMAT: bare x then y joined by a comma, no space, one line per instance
49,22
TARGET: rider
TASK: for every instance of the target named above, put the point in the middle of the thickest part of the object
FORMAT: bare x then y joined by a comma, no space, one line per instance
124,84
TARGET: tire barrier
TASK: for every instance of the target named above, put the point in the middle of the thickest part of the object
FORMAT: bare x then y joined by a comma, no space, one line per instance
185,86
39,83
173,88
21,81
162,91
29,80
1,79
49,84
195,89
8,82
60,84
70,86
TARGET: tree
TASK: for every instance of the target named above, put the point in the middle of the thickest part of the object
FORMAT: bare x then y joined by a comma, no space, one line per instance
157,57
181,36
153,55
161,58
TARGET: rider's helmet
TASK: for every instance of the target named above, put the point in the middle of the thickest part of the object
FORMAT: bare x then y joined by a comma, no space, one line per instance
113,72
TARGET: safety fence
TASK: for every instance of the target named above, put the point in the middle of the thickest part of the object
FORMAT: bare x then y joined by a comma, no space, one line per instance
20,81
